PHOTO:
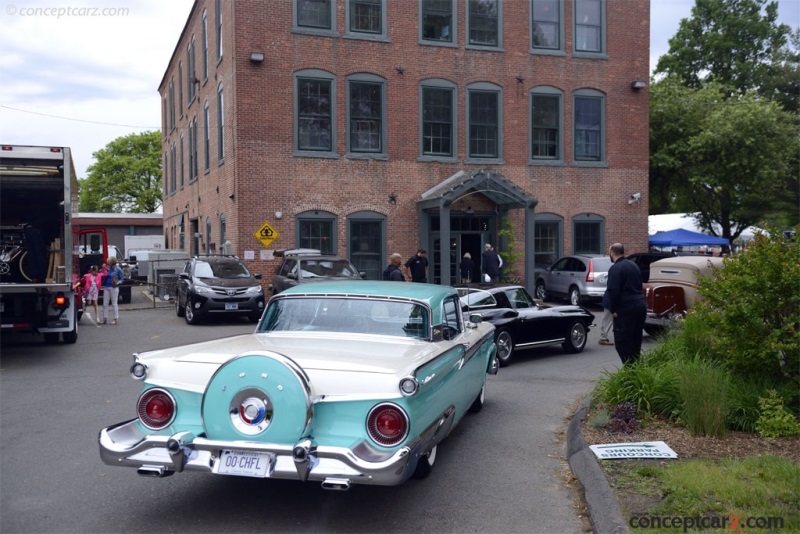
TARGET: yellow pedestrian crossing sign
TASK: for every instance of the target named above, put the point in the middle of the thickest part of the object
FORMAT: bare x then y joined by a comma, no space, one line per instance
266,234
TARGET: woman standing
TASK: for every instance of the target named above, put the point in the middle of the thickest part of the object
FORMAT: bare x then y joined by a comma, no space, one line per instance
113,278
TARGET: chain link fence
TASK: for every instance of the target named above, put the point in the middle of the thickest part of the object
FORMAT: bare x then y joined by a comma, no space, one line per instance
154,282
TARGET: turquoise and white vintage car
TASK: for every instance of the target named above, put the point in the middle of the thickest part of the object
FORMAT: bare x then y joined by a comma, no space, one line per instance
341,383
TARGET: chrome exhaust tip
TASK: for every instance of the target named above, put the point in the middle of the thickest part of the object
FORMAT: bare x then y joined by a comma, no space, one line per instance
336,484
157,471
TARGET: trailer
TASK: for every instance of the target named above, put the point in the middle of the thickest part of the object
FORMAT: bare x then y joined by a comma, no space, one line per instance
41,258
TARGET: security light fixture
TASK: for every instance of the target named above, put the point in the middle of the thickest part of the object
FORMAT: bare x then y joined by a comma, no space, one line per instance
257,57
638,84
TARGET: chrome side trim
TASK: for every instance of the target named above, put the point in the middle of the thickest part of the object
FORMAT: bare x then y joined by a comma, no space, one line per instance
540,343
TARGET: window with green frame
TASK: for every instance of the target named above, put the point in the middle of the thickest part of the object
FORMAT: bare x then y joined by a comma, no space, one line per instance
587,234
316,230
366,238
437,20
546,24
437,121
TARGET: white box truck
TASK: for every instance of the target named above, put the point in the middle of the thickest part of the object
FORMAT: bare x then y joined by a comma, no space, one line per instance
142,242
43,253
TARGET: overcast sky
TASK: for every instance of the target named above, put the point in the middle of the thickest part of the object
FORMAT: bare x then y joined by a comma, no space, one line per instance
77,80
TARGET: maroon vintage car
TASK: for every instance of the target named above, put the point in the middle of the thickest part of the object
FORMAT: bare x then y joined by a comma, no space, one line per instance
672,289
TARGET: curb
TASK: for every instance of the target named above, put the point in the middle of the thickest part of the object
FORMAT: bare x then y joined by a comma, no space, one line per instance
604,511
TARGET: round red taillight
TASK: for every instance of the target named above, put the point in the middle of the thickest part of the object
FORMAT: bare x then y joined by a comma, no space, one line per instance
387,424
156,408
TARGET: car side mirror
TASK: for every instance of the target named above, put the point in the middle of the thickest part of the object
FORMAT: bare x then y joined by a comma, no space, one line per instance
183,276
293,276
511,313
476,318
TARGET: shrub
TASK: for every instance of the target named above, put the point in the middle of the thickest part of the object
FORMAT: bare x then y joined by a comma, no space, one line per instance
743,397
775,421
753,307
650,386
704,387
623,418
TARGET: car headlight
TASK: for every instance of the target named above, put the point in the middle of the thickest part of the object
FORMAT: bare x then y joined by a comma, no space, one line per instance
255,290
203,289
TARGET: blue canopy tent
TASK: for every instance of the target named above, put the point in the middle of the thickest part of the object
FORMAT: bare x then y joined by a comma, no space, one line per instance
681,237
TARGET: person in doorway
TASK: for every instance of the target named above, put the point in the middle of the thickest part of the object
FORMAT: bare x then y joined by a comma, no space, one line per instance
393,273
491,264
626,303
90,287
418,266
113,278
607,323
467,267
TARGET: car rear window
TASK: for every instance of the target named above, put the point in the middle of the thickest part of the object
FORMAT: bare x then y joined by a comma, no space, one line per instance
328,268
348,315
225,270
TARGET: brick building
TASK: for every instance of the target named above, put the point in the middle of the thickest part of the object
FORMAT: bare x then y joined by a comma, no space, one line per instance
366,127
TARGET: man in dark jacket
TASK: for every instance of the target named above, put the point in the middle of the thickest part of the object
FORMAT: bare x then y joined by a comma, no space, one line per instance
626,303
491,263
418,265
392,272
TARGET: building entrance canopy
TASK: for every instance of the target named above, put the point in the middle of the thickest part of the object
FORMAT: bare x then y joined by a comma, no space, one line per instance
505,194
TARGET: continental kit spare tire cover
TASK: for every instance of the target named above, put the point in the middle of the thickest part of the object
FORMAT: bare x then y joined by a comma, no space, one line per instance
258,397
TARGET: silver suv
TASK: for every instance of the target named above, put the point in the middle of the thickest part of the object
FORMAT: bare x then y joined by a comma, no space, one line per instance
300,266
578,278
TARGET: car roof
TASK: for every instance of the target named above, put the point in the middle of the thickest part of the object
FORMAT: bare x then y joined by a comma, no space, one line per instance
218,259
693,262
658,254
299,252
430,293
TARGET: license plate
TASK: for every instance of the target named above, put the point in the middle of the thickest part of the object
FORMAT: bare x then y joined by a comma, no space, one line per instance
231,306
245,464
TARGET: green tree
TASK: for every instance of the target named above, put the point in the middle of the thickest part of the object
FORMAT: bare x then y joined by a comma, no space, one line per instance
734,43
126,176
781,85
738,161
728,159
676,112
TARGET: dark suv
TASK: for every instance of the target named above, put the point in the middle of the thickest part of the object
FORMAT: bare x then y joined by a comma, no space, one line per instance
218,286
300,266
644,259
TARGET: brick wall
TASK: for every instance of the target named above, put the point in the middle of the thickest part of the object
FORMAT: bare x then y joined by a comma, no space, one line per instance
265,177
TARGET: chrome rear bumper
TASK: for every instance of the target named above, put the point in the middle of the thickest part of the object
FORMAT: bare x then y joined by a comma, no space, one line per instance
128,445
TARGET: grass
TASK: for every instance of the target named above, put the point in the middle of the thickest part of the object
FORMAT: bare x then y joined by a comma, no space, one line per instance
764,488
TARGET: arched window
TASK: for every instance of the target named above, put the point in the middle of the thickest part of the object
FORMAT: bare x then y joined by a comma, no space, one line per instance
317,229
366,238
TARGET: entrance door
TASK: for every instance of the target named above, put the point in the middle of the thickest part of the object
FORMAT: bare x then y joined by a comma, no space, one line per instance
459,245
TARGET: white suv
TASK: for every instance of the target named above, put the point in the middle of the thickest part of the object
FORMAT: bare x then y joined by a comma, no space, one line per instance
578,278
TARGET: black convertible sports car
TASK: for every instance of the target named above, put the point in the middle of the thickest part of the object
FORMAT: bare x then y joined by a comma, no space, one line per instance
522,324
